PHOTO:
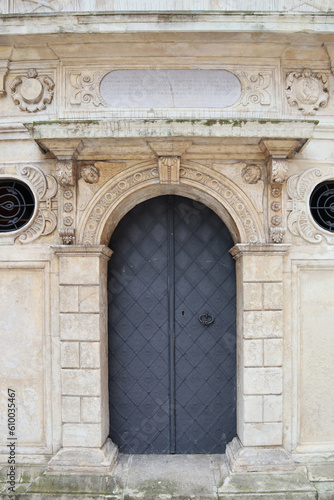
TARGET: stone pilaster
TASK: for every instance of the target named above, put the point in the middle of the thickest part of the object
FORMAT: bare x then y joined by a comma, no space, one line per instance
260,353
84,359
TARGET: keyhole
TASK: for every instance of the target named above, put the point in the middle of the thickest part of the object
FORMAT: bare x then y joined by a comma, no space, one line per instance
182,313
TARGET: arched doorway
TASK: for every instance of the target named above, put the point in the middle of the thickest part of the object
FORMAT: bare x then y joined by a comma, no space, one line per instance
172,341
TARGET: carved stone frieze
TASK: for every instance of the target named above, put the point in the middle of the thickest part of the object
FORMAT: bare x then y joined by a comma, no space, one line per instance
251,174
255,87
169,169
85,88
223,190
300,221
45,187
43,5
66,176
307,90
32,92
277,174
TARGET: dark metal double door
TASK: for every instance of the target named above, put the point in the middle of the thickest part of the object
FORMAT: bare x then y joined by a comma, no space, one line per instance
172,342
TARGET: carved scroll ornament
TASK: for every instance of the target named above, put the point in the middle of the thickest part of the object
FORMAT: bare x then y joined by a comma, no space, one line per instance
45,188
300,221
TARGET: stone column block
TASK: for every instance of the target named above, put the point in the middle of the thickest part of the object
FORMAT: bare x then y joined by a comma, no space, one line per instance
70,354
253,408
253,352
81,382
70,409
82,435
91,410
80,327
263,434
252,293
89,299
272,408
69,299
273,352
273,296
262,267
262,381
262,324
90,354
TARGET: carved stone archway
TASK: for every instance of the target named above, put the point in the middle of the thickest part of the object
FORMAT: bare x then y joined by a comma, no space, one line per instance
141,182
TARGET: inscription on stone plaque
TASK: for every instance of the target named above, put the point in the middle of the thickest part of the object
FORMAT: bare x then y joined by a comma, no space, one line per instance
170,88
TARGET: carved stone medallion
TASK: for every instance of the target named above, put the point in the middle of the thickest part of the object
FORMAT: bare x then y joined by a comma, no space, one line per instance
307,90
251,174
32,92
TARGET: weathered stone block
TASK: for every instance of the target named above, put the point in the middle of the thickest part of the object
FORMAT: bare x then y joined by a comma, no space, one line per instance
71,409
273,296
79,270
70,354
252,296
272,408
263,380
261,324
83,435
253,408
68,299
79,327
262,267
89,299
81,382
91,409
262,434
90,354
273,352
253,352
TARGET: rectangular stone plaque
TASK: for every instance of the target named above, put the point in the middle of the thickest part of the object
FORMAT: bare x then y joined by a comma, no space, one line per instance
170,88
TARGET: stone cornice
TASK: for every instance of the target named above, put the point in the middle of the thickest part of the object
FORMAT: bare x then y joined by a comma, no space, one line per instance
132,128
174,21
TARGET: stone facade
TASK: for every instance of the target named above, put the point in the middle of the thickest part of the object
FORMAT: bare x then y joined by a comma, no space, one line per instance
255,162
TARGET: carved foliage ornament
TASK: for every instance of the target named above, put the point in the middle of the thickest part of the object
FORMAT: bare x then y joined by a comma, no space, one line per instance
307,90
45,188
300,221
278,170
65,173
32,92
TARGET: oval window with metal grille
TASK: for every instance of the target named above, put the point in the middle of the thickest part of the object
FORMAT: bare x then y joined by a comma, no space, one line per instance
17,205
322,205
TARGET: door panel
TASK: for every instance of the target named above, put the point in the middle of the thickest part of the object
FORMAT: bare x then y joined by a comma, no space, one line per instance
171,378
